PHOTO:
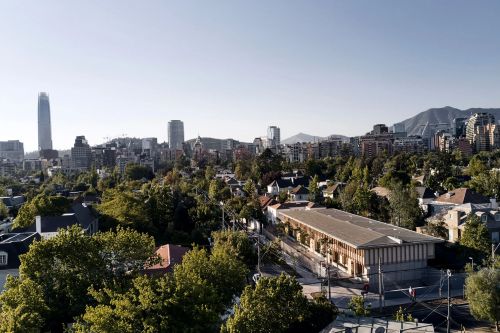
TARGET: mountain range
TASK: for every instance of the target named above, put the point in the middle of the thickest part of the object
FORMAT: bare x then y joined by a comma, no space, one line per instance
303,137
444,115
413,125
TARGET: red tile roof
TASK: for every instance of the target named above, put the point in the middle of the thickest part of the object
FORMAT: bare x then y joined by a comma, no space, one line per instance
169,255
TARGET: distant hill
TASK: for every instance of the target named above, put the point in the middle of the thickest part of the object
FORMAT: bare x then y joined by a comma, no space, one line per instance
444,115
302,137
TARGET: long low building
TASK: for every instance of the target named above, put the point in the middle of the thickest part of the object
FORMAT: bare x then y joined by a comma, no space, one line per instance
357,244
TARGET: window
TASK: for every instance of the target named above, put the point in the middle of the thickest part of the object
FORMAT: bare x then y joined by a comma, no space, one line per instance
3,258
497,217
495,236
484,218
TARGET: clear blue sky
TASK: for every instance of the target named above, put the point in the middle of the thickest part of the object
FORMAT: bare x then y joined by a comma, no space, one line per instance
231,68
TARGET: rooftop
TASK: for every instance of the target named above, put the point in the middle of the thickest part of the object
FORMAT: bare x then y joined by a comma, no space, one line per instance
462,195
357,231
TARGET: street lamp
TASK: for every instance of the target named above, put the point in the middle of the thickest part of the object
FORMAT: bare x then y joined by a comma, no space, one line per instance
472,259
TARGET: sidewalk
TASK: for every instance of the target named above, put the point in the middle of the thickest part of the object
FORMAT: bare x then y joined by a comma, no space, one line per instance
342,295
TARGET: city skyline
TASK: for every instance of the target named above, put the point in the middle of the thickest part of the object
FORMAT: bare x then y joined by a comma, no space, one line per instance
128,68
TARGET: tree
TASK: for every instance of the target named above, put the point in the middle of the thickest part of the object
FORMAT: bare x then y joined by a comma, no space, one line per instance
22,306
250,188
274,305
43,205
476,166
122,207
321,312
152,305
218,191
404,209
236,243
358,306
135,171
476,236
314,193
4,211
65,266
221,270
437,229
401,315
483,293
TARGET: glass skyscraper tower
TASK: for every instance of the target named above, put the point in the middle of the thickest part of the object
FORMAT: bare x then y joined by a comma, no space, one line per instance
175,134
44,128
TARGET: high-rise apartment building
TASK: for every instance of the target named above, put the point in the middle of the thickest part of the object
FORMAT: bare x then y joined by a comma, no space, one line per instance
81,154
175,134
273,136
12,150
44,127
482,132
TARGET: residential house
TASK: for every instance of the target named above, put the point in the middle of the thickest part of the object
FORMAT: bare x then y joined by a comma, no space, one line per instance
80,214
299,193
455,220
169,255
333,190
12,245
286,184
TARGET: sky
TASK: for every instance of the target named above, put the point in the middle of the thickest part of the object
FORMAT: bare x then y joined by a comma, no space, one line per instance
231,68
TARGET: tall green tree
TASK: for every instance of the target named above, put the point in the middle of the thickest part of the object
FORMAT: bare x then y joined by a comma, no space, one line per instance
22,306
44,205
314,192
236,243
274,305
221,270
404,209
483,293
476,236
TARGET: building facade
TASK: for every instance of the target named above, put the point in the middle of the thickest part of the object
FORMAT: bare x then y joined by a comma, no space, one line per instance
482,132
81,154
273,136
12,150
358,245
175,134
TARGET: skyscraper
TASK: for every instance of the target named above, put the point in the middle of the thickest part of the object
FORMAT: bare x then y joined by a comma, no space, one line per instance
273,136
44,128
482,132
175,134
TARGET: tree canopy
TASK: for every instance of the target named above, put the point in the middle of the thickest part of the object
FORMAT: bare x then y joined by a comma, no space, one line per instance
274,305
483,293
42,204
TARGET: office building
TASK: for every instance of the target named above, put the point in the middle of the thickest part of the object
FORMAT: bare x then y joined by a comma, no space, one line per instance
81,154
175,134
273,136
12,150
459,126
44,127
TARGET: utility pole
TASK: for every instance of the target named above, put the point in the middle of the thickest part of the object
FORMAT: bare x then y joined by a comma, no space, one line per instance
448,318
328,274
258,254
380,291
223,223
